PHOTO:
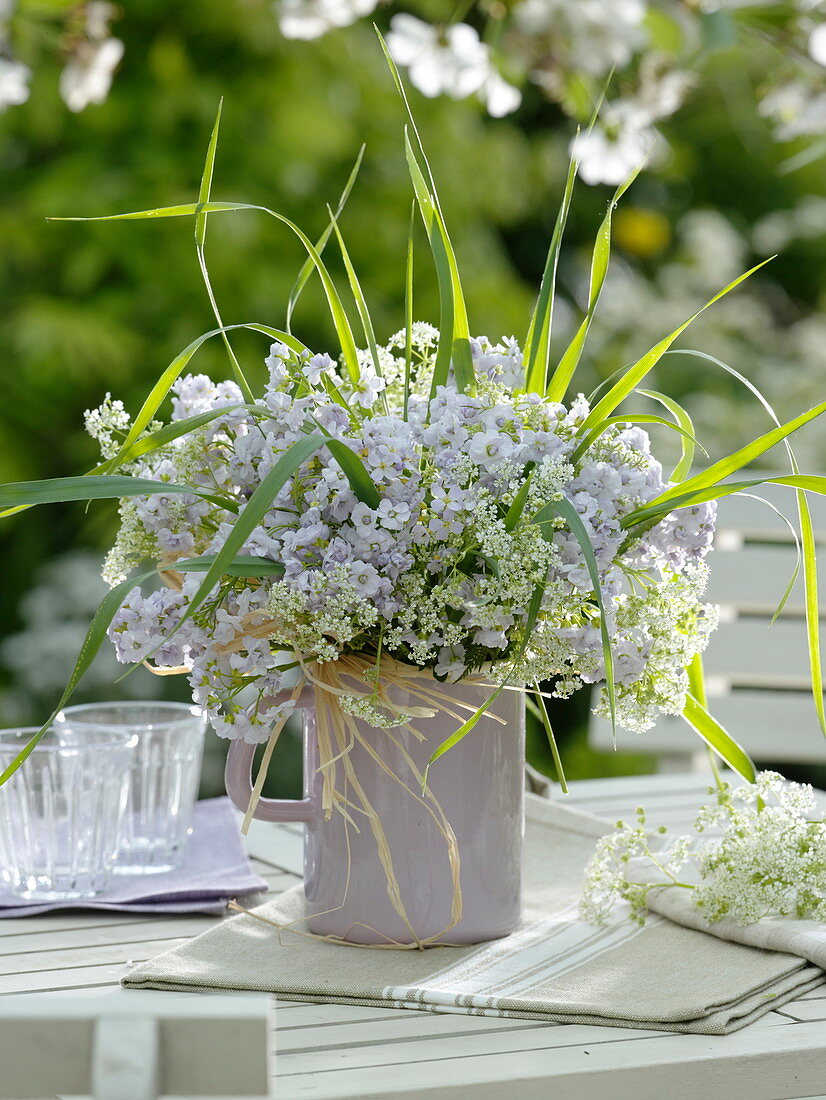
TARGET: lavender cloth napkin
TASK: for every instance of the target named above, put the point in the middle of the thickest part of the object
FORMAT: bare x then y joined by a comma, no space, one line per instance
214,869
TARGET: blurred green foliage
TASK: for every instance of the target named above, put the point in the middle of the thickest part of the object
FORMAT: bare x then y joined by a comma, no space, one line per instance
91,307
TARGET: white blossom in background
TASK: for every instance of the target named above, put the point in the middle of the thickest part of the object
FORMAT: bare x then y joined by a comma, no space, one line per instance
448,60
618,144
451,61
308,19
14,82
652,51
87,51
593,36
817,44
796,110
500,97
87,76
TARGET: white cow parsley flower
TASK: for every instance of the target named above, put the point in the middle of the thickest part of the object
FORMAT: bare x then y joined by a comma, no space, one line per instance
766,856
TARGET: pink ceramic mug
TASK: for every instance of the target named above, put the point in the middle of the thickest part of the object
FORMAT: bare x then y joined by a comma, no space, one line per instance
478,784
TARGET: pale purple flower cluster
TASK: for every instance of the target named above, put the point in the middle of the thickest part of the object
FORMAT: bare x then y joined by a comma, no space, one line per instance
439,574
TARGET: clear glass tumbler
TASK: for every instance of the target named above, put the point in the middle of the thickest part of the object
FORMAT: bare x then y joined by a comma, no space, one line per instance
164,776
62,811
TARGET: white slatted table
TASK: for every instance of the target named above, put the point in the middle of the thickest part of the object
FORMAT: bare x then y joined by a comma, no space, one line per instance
65,1023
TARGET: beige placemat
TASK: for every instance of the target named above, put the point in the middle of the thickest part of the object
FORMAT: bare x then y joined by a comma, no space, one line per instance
663,976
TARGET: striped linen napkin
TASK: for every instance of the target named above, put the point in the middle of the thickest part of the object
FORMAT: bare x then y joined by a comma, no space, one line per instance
665,975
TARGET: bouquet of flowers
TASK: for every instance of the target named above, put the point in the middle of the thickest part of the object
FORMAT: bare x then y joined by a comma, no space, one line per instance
437,501
479,507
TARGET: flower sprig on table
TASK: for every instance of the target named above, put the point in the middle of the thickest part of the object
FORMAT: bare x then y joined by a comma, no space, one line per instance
765,856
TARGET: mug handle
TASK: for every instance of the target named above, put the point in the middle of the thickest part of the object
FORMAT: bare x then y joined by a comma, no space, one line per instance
238,778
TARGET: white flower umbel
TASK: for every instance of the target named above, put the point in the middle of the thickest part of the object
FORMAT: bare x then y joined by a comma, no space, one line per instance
766,856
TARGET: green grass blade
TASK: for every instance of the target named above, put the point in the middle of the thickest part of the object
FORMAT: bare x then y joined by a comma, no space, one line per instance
454,343
462,731
251,515
812,613
561,378
241,566
646,516
60,490
630,418
361,304
170,432
517,506
809,557
697,680
741,457
454,332
307,267
411,119
355,471
635,374
538,338
205,189
200,243
574,521
342,325
718,739
159,391
109,606
689,440
408,313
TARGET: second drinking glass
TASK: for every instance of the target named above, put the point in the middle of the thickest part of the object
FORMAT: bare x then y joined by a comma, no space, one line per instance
164,776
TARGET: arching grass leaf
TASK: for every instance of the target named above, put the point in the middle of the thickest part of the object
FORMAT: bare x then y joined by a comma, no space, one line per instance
342,324
561,378
307,267
689,440
629,418
104,487
717,738
635,374
109,606
538,340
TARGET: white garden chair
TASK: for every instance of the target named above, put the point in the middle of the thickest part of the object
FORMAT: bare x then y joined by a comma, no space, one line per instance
757,674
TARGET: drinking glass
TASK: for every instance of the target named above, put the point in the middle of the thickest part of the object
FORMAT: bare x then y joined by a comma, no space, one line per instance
163,780
62,811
